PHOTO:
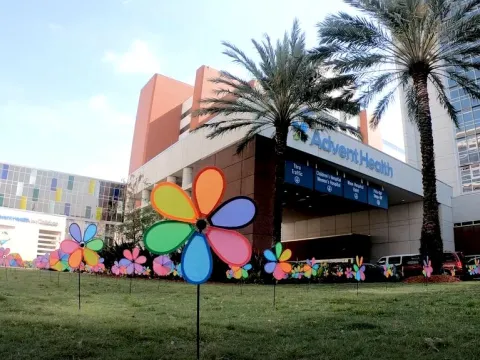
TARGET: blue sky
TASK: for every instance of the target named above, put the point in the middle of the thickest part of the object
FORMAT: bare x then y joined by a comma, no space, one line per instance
71,71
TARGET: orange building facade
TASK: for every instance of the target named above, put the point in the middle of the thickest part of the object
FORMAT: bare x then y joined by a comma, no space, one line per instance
164,115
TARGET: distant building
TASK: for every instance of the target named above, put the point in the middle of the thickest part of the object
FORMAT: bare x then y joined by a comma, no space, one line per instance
37,206
393,150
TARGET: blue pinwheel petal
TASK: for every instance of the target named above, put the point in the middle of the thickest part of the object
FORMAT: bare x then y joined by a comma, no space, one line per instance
90,232
269,255
197,261
234,213
124,262
362,269
248,267
270,267
75,232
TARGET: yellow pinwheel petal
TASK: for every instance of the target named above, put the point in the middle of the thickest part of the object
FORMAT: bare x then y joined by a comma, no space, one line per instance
286,255
170,201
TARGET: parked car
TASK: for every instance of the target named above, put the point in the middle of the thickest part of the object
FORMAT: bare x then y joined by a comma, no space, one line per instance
454,263
412,265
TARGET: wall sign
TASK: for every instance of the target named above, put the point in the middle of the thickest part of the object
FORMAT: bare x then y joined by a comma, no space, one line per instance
299,174
28,220
329,183
360,157
353,189
377,197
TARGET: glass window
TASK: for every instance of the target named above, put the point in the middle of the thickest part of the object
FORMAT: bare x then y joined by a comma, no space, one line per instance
70,182
454,94
462,145
394,260
1,199
473,157
88,212
411,260
35,194
53,185
4,171
466,104
448,257
468,116
19,191
67,209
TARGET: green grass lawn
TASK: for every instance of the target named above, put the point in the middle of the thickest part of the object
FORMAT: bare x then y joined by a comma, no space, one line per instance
40,320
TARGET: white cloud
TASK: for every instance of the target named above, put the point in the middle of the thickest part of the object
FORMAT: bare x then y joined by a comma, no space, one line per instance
138,59
100,105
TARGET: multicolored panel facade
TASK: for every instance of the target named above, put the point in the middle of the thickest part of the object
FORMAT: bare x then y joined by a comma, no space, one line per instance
59,193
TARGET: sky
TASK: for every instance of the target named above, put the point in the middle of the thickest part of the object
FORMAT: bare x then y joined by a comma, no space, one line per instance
71,71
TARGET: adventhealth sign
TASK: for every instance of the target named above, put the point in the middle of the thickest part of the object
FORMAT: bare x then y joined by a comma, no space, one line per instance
354,155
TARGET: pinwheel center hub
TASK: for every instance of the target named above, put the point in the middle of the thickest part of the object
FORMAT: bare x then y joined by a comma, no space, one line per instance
201,225
82,244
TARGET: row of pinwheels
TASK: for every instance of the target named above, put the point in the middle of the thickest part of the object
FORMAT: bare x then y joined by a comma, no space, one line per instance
8,259
133,264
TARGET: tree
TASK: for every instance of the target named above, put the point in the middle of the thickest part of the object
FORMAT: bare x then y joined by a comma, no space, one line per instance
136,220
408,44
287,90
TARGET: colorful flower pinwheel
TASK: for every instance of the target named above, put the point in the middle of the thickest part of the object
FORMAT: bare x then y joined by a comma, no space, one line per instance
163,265
311,268
349,273
42,261
118,269
5,257
387,270
240,272
427,268
278,264
339,272
133,261
229,274
58,260
359,269
297,272
82,248
16,260
200,224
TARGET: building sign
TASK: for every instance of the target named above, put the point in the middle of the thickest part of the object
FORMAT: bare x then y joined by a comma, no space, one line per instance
298,174
356,156
327,182
28,220
377,197
353,189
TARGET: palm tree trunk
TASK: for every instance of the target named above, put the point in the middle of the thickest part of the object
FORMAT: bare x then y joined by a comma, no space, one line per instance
280,149
431,239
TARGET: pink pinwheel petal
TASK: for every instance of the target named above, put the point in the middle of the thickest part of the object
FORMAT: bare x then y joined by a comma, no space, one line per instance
135,253
69,246
141,260
231,247
128,254
278,273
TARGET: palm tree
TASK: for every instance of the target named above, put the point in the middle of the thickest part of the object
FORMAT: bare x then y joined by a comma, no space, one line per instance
409,44
288,92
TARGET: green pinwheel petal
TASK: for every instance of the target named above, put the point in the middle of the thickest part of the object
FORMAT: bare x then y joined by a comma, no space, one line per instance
95,244
166,236
355,267
278,249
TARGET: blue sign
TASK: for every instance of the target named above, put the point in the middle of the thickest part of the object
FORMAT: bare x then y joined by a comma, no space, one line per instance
355,190
329,183
377,197
298,174
360,157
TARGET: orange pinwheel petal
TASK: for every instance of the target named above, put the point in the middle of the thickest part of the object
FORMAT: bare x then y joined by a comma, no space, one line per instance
170,201
75,258
286,267
208,189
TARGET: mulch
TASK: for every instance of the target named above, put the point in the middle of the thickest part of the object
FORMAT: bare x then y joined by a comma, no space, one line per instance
433,279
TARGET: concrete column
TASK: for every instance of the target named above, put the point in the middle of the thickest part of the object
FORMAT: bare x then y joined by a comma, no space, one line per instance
187,177
145,197
172,179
